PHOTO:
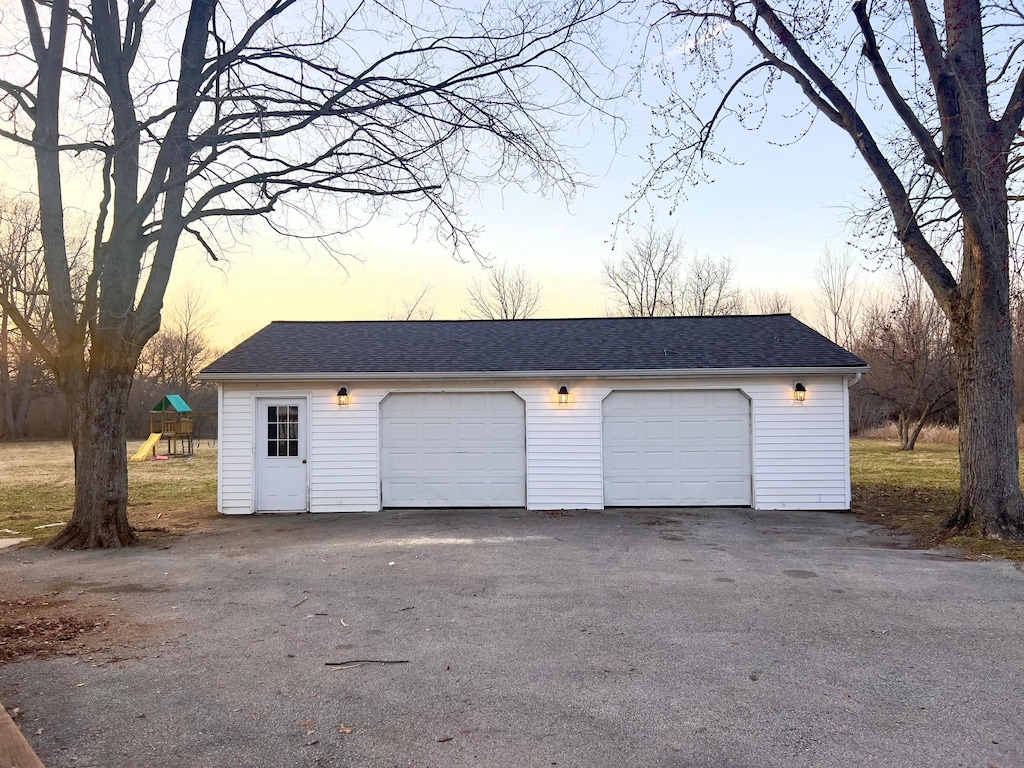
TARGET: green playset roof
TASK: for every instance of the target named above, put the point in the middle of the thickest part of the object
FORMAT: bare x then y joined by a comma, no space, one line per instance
173,403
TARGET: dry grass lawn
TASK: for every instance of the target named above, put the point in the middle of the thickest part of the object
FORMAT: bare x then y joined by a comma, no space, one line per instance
37,489
914,492
910,491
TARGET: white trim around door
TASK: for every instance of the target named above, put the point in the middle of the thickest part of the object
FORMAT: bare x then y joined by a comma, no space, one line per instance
281,454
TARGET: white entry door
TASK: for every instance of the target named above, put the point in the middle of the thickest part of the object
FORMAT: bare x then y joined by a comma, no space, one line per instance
453,449
679,448
281,476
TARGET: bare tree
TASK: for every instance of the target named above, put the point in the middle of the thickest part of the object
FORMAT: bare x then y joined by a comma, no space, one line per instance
505,295
229,110
645,281
653,279
770,302
21,281
709,288
177,353
838,299
23,376
905,339
948,80
416,308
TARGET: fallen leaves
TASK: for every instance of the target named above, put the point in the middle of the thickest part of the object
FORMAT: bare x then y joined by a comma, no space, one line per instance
41,628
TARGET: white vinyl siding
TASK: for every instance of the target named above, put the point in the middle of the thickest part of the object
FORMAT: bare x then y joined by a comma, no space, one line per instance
799,450
235,450
345,451
563,443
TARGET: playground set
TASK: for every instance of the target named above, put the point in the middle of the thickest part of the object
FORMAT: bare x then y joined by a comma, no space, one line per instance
170,420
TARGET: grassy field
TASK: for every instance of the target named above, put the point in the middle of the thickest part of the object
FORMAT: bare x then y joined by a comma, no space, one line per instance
915,491
908,491
37,489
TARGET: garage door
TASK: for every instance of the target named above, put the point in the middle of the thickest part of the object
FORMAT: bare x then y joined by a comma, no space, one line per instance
453,450
686,448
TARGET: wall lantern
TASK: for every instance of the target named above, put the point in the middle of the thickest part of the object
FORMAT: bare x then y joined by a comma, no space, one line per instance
563,395
343,396
799,392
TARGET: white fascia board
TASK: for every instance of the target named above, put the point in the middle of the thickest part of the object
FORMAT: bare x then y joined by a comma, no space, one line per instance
680,373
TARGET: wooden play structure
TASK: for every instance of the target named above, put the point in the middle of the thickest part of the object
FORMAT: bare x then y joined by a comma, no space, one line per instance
170,420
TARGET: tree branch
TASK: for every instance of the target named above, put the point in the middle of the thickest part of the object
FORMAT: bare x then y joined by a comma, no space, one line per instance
918,249
173,160
26,330
709,125
1009,123
924,139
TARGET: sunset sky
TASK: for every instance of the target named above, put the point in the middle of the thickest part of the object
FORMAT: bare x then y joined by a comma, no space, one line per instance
773,215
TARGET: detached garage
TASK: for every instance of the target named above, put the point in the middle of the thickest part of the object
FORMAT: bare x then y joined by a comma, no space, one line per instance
543,414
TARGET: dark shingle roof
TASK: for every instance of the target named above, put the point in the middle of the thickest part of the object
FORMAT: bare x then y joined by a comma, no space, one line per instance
472,346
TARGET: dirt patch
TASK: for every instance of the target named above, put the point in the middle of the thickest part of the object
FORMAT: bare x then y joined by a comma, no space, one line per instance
124,589
155,523
41,627
919,512
662,521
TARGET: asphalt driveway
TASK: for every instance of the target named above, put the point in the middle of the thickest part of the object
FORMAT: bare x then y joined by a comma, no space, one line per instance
714,638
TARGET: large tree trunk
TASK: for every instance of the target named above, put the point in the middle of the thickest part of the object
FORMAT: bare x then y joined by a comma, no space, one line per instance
980,322
97,419
990,498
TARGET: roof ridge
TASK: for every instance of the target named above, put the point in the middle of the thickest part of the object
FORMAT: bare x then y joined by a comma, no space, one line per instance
534,319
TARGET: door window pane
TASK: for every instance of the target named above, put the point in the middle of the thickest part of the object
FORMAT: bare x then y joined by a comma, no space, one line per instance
282,430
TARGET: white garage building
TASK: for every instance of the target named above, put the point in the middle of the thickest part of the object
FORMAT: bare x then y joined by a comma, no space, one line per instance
543,414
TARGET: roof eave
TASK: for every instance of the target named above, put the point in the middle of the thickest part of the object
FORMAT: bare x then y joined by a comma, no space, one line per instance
641,373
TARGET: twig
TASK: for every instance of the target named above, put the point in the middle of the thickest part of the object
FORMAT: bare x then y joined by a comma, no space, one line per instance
365,661
304,599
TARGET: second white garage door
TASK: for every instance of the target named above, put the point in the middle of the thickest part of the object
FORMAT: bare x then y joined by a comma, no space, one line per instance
682,448
447,449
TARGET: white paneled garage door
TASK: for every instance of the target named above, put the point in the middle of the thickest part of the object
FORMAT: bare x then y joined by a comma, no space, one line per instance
682,448
453,449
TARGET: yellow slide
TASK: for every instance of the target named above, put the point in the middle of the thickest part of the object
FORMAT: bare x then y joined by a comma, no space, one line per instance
147,446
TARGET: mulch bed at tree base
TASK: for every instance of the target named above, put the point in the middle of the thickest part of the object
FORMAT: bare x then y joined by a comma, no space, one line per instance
921,513
918,512
42,627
